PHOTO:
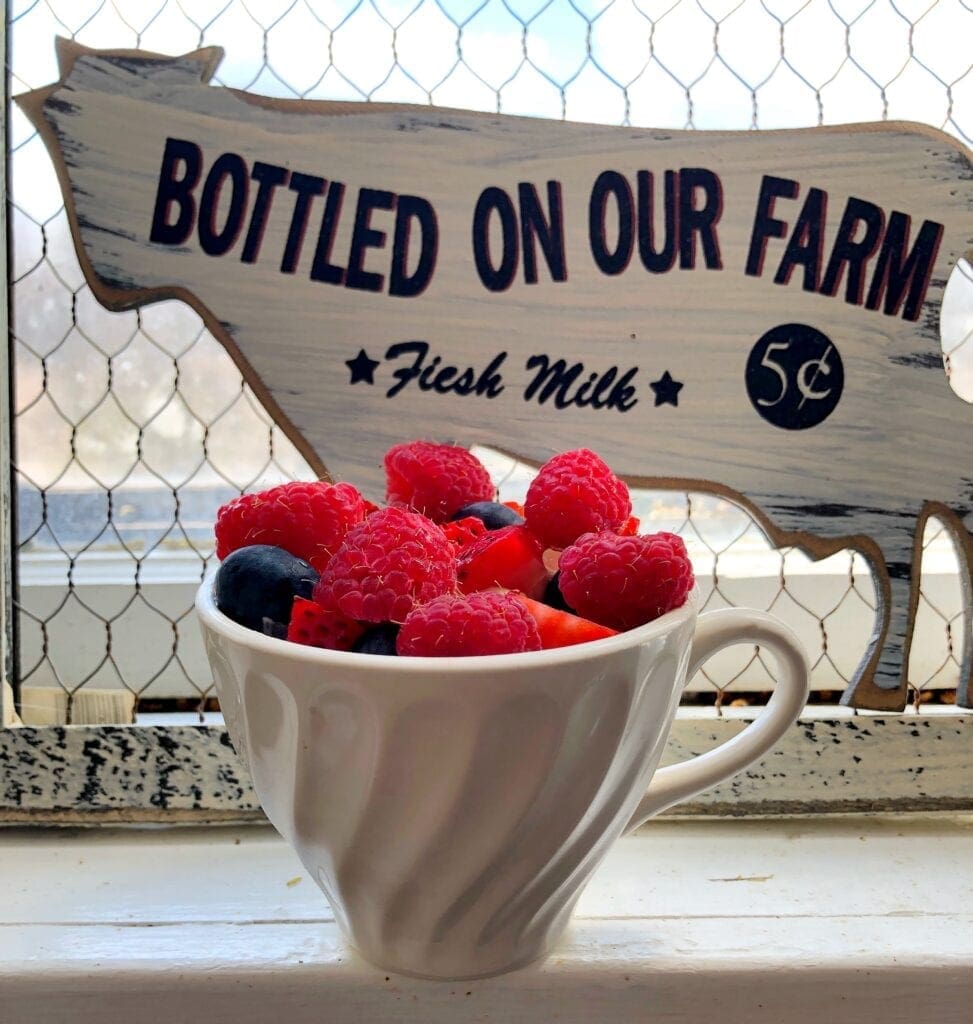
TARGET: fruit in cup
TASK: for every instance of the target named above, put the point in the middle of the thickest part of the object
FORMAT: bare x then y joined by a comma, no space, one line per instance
260,582
487,622
575,493
559,628
491,514
464,532
511,558
380,639
623,582
435,480
553,596
386,565
315,626
444,569
307,519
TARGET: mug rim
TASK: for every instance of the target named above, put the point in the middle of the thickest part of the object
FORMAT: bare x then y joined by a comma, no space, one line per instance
212,618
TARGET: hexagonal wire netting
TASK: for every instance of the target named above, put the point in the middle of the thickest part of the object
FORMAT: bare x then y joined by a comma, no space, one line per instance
131,429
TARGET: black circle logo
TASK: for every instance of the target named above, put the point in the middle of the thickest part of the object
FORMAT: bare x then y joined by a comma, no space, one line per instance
794,376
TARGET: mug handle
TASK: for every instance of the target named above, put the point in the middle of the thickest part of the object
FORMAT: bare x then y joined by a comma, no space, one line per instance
714,631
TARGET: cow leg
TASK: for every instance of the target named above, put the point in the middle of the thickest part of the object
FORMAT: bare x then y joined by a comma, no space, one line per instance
960,530
891,669
880,682
884,688
964,691
891,543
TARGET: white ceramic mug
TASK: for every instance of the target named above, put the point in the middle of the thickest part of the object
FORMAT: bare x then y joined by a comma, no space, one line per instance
453,809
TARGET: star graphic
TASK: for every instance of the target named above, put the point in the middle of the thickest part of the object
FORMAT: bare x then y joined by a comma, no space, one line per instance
666,390
362,368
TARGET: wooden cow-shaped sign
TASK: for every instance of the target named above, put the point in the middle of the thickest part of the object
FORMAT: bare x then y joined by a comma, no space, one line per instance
754,314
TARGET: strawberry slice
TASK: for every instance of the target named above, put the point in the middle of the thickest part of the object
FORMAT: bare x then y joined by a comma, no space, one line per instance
510,558
463,532
315,626
561,629
552,558
629,528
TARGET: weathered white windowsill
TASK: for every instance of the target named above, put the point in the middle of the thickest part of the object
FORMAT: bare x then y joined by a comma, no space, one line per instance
857,918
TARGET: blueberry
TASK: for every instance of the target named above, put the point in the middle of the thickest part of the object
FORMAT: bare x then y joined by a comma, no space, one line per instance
492,514
553,596
377,640
260,582
274,629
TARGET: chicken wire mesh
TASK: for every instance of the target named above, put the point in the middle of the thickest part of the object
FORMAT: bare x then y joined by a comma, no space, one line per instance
132,428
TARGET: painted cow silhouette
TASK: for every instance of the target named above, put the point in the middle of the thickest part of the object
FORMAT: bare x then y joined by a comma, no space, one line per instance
754,314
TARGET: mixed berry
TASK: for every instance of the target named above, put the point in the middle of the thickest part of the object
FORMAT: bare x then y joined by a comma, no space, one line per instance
443,569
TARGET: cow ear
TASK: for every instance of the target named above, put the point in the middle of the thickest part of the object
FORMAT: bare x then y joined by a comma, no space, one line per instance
68,51
208,58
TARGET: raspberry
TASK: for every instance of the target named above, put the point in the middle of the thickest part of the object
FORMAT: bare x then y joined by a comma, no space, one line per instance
392,561
678,544
623,582
456,626
315,626
462,532
575,493
307,519
435,479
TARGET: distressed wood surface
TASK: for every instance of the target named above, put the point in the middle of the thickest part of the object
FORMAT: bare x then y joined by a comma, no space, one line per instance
7,501
769,331
762,922
178,774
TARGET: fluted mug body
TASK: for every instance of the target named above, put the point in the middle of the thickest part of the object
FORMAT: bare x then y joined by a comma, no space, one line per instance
451,809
